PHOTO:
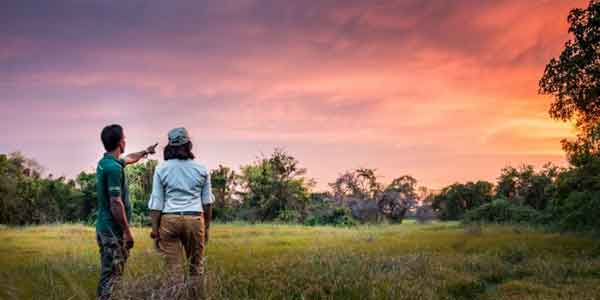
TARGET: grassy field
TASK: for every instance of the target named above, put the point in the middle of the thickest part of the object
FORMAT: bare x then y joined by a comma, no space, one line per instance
409,261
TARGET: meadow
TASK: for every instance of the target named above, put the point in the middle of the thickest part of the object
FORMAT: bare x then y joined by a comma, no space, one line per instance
408,261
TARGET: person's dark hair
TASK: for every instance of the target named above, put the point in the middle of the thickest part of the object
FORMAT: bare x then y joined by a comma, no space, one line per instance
111,136
179,152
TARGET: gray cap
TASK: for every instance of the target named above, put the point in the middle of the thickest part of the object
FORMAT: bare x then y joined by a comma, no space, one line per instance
178,136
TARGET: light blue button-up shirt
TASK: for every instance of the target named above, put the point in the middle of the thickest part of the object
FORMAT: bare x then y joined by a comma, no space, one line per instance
180,185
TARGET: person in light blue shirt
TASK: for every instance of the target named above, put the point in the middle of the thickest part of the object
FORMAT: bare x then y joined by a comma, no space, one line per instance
180,186
180,209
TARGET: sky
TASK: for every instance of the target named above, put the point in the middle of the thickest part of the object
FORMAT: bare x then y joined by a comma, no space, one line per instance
445,91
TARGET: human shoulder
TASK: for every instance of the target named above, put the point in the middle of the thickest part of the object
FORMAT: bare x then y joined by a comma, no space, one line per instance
110,168
107,165
198,166
162,166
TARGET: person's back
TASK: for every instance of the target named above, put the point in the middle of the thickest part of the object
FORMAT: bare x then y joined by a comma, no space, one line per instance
180,210
183,184
113,234
110,180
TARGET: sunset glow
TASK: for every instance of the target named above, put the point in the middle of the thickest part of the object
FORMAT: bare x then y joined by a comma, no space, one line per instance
443,90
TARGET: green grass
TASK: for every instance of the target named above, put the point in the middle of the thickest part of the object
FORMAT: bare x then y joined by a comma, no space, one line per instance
408,261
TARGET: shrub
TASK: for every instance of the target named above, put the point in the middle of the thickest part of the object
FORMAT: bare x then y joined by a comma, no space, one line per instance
141,220
288,216
503,211
336,216
579,211
424,214
224,214
250,214
455,200
576,204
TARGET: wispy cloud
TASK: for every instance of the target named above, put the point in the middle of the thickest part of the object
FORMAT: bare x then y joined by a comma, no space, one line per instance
417,85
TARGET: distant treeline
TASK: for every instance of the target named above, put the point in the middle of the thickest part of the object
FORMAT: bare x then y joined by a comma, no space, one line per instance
271,188
274,189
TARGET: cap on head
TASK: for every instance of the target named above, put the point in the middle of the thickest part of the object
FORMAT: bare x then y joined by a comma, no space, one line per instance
178,136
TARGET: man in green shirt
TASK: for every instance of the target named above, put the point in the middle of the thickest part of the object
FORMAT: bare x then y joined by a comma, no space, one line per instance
114,210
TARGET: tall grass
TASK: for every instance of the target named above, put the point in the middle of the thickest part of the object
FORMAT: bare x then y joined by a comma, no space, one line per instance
408,261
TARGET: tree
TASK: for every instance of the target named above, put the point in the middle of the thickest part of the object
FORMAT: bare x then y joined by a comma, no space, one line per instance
456,199
576,201
574,78
360,184
275,185
525,186
398,197
358,190
86,183
585,148
19,189
369,200
26,197
224,182
139,178
10,173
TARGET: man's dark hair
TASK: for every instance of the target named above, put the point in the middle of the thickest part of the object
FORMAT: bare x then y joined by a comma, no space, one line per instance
179,152
111,136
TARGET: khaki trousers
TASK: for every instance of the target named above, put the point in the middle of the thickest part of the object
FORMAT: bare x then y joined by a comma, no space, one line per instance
181,234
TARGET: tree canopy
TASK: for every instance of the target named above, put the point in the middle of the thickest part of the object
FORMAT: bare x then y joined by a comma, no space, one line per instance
573,79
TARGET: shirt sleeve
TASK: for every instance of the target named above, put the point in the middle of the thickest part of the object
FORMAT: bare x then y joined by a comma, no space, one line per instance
114,180
157,198
207,195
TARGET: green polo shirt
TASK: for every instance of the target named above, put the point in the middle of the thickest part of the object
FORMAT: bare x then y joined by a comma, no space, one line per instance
110,182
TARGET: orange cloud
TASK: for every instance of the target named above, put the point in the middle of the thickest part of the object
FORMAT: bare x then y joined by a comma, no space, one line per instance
408,87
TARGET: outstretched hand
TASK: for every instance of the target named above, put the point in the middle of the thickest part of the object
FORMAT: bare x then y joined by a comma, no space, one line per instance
151,149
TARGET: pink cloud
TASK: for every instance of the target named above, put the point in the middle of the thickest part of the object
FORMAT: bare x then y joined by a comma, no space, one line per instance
410,83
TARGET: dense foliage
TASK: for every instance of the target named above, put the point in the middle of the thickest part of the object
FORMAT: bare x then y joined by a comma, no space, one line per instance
573,79
273,187
576,203
27,197
504,211
453,201
224,182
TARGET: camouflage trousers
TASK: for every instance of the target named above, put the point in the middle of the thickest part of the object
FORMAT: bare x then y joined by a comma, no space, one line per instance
113,256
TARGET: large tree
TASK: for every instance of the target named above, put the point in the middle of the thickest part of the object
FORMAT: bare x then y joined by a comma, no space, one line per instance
573,80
